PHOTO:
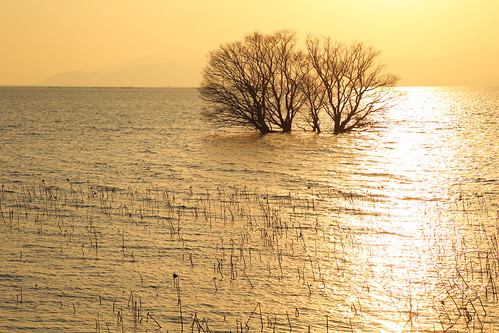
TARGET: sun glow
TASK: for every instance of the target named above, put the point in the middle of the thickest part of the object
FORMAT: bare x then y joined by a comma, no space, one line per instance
49,38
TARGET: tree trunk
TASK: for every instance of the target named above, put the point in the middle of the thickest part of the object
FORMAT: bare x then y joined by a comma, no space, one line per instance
264,128
315,124
286,127
338,128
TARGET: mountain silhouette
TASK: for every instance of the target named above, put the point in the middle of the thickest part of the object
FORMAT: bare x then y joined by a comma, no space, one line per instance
149,75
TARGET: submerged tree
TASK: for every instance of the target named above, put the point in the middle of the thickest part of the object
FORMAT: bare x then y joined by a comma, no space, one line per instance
234,83
287,76
264,81
354,84
314,98
256,82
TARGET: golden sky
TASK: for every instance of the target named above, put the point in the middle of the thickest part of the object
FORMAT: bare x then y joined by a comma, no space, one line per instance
426,42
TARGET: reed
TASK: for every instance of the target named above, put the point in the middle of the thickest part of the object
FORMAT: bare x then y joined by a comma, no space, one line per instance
297,243
176,284
152,318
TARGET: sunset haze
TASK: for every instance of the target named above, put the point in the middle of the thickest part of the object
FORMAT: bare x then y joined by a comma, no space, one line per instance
165,43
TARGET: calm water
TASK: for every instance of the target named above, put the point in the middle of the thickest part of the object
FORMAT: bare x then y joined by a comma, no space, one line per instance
124,210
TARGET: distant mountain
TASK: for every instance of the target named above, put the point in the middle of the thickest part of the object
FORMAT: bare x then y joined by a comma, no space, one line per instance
149,75
471,67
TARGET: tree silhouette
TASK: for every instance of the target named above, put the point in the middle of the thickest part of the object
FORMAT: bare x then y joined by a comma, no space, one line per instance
256,82
234,84
264,81
355,86
314,98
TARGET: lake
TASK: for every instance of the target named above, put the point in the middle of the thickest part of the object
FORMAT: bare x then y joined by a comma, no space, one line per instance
124,210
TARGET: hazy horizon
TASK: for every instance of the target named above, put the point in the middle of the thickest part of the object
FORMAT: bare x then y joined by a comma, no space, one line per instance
165,43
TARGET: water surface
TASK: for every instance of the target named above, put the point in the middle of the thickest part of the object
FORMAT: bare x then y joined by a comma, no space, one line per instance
125,210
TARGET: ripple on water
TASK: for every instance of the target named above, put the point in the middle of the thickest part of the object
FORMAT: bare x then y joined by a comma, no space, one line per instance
102,208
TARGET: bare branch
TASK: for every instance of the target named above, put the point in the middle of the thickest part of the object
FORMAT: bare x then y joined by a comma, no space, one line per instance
264,81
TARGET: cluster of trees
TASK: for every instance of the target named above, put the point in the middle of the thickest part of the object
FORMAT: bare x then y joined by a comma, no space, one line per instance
266,81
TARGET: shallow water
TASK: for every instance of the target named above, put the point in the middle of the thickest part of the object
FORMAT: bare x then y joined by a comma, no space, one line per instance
124,210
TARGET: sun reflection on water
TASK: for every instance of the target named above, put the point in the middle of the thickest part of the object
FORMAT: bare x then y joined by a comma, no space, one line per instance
398,267
414,251
417,153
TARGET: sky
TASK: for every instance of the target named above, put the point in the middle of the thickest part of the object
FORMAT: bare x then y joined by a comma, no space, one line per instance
425,42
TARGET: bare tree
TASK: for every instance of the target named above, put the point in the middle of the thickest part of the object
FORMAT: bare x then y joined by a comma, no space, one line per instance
314,98
234,84
264,81
286,94
256,82
354,84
